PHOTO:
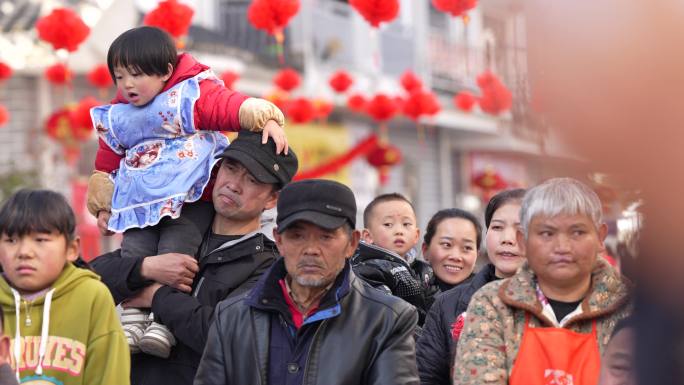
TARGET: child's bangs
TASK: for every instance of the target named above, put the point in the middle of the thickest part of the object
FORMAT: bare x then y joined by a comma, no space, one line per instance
29,212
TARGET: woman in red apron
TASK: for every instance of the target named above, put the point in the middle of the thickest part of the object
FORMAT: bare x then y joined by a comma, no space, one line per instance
550,322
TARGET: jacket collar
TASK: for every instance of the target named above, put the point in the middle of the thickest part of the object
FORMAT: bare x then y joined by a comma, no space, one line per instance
367,251
248,244
267,293
608,292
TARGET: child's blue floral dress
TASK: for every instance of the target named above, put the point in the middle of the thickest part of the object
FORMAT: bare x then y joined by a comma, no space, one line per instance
167,161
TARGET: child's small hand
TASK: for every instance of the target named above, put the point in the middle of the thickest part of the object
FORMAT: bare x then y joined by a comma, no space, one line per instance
102,220
275,131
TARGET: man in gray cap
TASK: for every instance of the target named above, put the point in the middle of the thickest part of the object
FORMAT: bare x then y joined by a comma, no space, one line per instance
310,320
182,290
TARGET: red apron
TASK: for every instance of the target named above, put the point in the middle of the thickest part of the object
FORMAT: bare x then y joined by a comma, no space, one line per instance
556,356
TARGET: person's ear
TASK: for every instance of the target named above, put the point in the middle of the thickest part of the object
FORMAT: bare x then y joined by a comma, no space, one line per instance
424,248
353,243
272,199
4,349
277,237
366,236
169,72
520,237
602,234
72,249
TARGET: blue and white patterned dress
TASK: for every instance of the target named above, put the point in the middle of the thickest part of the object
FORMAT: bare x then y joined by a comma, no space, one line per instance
167,161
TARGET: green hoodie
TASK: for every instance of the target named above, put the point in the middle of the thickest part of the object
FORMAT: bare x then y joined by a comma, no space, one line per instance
85,343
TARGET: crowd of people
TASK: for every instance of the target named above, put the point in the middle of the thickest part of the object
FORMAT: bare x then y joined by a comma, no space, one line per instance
213,293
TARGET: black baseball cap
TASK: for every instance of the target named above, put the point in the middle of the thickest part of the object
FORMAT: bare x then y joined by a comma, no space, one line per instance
325,203
261,160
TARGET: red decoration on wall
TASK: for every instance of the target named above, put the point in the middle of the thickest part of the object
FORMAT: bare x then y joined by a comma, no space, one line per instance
171,16
465,101
376,11
62,28
58,74
383,157
301,110
340,81
4,115
272,16
287,79
80,117
99,77
489,180
381,108
410,81
357,103
455,7
229,78
421,103
5,71
496,98
360,149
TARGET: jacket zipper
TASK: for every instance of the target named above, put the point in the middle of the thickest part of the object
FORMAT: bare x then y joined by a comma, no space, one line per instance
313,345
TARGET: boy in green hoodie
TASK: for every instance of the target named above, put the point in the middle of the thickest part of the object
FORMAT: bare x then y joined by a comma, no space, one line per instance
62,320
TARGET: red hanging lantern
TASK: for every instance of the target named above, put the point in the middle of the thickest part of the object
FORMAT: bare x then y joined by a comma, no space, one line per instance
171,16
64,126
400,102
99,77
287,79
58,125
301,110
381,108
420,103
323,108
489,180
58,74
496,98
384,157
272,16
5,71
4,115
80,118
357,103
340,81
465,101
62,28
455,7
410,81
229,78
376,11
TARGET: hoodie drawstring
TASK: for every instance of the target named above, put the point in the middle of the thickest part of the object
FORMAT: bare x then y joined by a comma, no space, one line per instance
17,335
43,334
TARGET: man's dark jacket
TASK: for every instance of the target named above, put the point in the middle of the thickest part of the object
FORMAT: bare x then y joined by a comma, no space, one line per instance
435,349
230,270
368,340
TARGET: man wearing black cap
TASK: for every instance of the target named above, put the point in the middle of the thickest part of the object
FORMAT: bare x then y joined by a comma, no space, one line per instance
183,290
309,320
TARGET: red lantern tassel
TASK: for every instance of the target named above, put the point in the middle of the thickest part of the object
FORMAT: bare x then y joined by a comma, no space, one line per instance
280,41
383,175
